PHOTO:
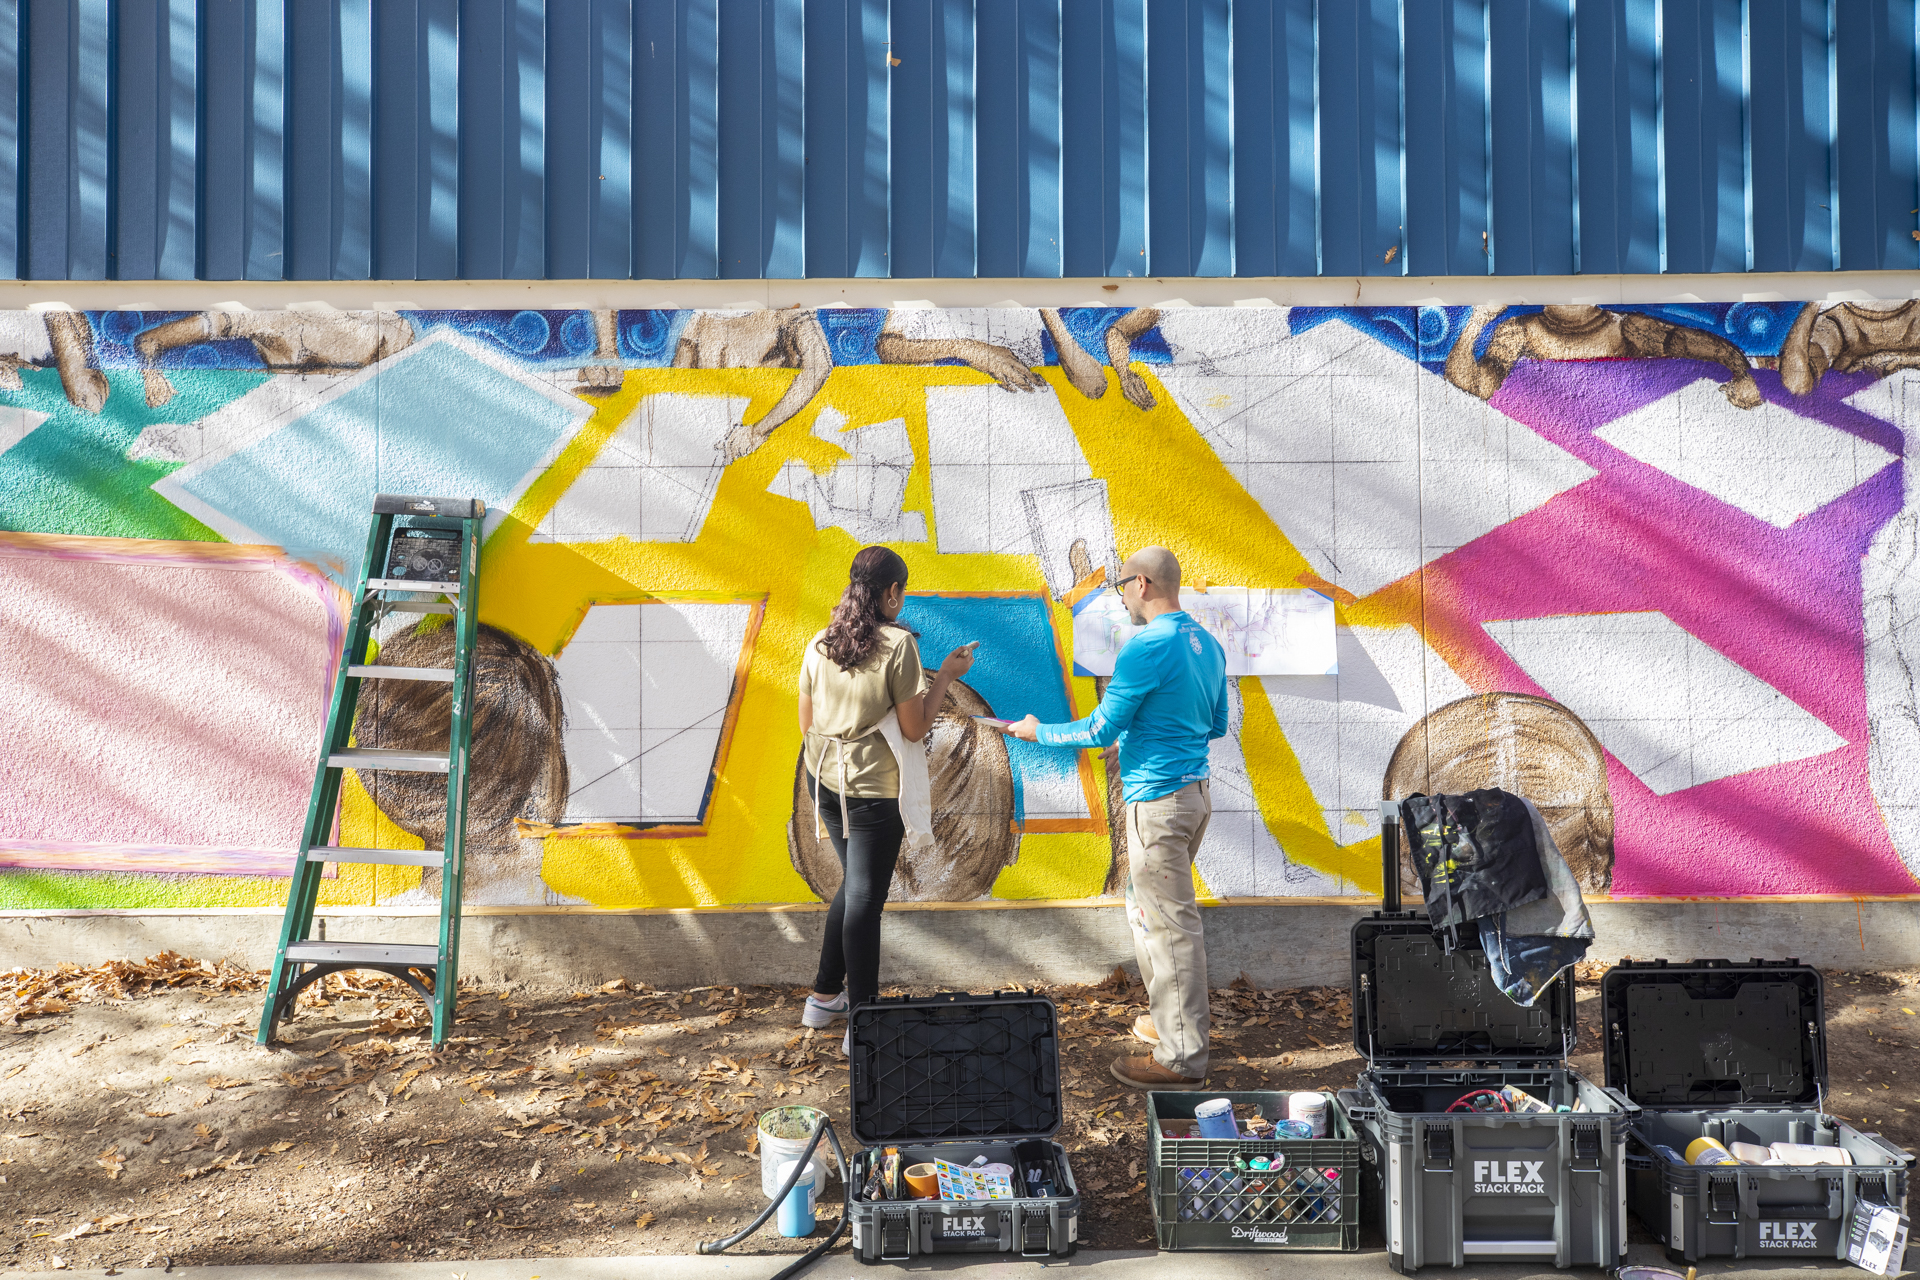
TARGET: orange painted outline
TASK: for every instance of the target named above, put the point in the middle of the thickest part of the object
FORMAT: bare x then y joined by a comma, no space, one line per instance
736,694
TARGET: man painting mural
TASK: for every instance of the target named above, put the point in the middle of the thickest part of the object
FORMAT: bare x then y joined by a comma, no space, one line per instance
1166,702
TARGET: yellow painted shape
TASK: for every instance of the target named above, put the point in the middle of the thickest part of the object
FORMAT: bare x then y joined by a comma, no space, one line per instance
1165,485
1287,803
364,826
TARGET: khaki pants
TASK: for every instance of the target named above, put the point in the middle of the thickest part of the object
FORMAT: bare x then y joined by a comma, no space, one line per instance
1163,838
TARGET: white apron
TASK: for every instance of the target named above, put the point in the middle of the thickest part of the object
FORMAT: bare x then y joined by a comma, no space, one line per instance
916,791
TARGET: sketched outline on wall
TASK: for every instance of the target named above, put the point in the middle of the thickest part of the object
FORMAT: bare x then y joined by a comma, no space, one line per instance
86,855
736,694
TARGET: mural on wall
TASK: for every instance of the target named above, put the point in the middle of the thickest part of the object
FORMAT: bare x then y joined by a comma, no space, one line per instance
1653,566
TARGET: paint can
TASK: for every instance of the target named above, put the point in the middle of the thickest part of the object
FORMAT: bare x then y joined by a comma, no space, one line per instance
1215,1117
1311,1109
1705,1151
783,1136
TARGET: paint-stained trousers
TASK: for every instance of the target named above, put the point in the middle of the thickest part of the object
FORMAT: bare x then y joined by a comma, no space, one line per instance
1163,838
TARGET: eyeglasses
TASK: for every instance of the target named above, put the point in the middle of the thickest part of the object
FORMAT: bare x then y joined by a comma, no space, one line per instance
1119,588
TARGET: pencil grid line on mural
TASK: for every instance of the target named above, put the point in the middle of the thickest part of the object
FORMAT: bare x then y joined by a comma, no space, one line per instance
1559,508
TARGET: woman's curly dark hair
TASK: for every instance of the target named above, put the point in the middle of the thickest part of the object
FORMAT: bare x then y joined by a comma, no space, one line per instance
853,633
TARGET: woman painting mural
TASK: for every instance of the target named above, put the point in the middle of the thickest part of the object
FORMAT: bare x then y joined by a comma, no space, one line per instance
862,701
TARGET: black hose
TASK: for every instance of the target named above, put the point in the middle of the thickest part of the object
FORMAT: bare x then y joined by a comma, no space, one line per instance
807,1259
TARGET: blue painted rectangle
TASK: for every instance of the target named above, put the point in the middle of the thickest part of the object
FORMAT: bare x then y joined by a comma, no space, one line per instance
1448,214
1788,130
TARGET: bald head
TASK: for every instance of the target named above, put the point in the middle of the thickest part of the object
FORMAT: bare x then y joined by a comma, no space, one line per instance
1158,566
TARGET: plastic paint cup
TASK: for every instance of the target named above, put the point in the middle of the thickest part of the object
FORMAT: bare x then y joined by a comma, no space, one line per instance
1292,1129
1215,1117
1310,1108
795,1215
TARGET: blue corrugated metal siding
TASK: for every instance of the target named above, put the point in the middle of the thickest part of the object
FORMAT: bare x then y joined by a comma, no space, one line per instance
567,139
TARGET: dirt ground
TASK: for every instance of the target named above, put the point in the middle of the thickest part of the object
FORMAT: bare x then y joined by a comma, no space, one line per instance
141,1126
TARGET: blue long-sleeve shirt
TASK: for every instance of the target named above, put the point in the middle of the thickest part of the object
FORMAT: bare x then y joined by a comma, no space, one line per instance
1167,700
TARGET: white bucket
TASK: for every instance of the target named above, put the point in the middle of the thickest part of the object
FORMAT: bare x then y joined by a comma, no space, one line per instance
1310,1109
776,1151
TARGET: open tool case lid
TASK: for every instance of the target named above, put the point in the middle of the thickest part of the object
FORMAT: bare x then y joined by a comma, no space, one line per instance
1412,1002
1715,1034
955,1068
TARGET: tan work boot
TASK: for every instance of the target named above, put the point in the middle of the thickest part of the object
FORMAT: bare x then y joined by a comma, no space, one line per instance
1143,1029
1144,1073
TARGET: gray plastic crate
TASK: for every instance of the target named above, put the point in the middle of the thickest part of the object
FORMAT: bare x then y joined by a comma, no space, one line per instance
1456,1186
1199,1201
1736,1052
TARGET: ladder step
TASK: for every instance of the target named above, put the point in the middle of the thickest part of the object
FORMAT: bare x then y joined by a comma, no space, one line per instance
388,758
379,857
402,673
413,606
404,584
414,956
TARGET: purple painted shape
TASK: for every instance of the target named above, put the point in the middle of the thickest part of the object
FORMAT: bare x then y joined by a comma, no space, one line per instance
1782,603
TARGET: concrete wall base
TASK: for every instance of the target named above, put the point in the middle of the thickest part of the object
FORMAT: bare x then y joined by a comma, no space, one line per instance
1276,945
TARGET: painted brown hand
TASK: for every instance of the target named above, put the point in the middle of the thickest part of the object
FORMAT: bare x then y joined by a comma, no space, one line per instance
1083,372
973,836
1120,354
1847,337
71,338
607,375
760,340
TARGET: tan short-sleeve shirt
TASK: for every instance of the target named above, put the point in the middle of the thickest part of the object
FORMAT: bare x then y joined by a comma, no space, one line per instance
850,704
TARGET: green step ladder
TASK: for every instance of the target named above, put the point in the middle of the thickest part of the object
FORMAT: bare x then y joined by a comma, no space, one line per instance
435,552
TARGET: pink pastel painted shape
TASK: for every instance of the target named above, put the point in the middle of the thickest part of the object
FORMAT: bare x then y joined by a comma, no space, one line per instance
1783,603
165,703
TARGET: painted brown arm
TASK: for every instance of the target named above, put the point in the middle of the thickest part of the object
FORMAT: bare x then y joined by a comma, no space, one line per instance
71,338
989,358
802,344
1082,370
1483,376
1803,362
1120,353
1647,336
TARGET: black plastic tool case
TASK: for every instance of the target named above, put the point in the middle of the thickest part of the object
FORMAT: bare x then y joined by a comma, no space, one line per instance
954,1077
1736,1052
1454,1186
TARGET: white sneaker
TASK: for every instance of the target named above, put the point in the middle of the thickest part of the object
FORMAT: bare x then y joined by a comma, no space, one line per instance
815,1014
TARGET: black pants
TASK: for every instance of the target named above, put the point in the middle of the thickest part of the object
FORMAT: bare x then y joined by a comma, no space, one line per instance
850,951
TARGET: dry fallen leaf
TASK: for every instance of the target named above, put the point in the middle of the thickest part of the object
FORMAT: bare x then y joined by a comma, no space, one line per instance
653,1157
278,1147
223,1082
644,1221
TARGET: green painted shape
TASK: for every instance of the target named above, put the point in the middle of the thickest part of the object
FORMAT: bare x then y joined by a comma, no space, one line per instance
72,475
22,889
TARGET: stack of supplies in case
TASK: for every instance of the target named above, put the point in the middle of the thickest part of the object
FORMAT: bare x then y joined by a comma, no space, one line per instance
981,1181
1727,1064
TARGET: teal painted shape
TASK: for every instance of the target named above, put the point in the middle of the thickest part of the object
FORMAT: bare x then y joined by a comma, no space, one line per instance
71,475
435,420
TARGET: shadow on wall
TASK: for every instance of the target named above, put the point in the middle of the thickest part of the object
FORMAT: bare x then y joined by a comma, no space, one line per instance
518,769
973,835
1530,746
